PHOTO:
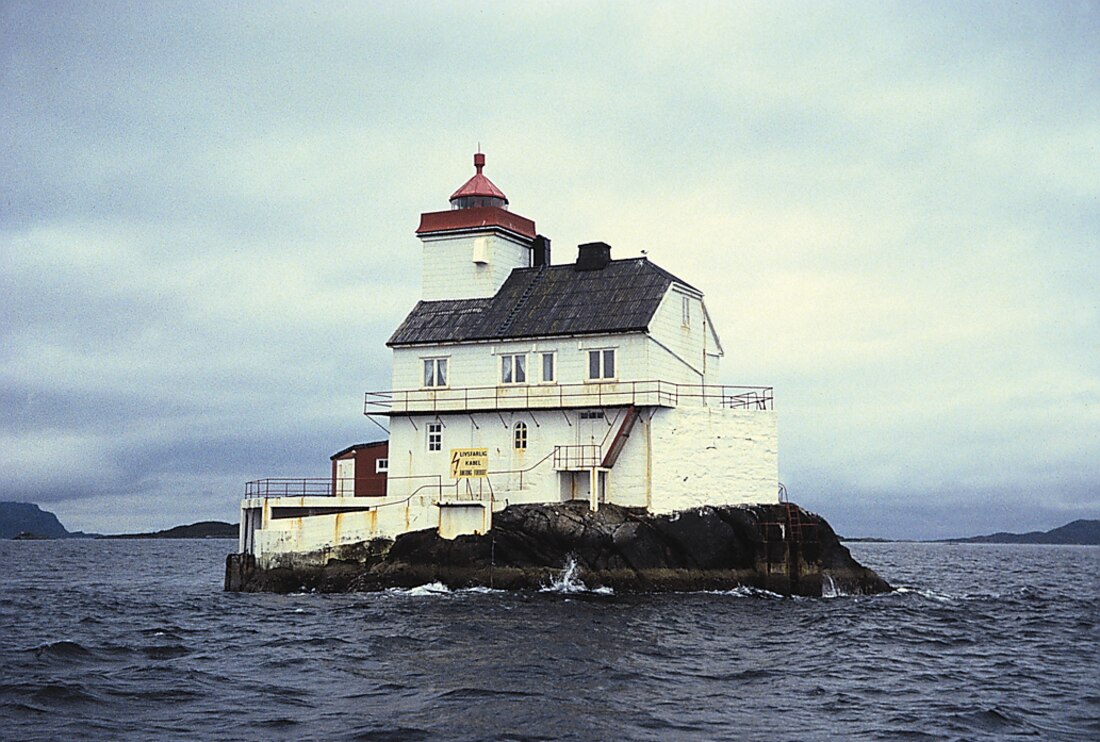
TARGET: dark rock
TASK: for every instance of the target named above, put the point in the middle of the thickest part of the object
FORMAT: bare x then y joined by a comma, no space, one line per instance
776,547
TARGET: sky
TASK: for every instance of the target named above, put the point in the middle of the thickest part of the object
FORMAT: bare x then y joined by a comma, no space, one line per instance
207,221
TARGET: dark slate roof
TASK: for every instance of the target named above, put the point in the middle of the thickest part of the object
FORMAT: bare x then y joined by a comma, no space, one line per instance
547,301
357,446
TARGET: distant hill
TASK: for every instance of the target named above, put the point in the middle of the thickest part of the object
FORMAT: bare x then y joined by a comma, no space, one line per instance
202,529
1083,532
29,520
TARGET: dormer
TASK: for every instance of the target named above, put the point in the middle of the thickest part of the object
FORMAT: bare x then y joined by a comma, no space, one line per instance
470,250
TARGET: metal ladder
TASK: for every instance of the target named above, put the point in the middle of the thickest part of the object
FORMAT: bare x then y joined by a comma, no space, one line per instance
521,301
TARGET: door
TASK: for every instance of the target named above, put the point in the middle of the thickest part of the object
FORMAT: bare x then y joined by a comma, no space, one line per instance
345,477
591,432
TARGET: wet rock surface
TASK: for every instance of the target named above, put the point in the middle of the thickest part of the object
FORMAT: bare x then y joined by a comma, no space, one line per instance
781,548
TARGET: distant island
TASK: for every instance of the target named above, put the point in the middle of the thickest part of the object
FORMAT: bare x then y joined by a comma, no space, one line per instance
202,529
1079,532
26,521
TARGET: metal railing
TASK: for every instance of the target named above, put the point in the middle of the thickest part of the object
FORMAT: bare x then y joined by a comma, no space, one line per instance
650,393
577,457
289,487
328,486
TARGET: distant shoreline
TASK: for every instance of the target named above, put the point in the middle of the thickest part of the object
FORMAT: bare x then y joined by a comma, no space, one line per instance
204,529
1078,533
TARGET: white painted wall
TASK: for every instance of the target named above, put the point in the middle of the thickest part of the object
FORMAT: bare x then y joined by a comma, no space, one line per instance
387,519
685,354
675,458
469,266
713,456
467,518
478,364
515,475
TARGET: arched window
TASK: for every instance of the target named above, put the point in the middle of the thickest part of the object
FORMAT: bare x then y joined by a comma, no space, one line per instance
519,436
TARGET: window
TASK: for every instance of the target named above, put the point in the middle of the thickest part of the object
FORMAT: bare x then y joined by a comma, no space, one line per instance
592,415
513,369
601,364
435,372
685,311
435,436
519,436
381,466
547,367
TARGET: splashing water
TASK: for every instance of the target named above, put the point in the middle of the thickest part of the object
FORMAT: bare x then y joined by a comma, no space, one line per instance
431,588
829,588
567,580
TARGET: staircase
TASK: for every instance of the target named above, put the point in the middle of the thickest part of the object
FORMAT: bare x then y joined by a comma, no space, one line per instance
619,441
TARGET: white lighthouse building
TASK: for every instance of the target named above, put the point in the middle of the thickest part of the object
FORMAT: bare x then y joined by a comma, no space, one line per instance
519,380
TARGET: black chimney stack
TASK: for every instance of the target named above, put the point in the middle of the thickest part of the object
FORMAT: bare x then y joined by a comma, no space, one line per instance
541,251
593,256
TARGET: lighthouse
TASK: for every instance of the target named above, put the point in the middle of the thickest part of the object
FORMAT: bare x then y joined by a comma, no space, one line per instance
471,249
520,381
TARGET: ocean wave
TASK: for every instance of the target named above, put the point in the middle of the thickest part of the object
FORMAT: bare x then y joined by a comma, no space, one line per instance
927,593
420,591
742,591
63,650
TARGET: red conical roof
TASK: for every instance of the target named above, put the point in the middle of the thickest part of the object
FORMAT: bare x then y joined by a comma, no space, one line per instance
479,185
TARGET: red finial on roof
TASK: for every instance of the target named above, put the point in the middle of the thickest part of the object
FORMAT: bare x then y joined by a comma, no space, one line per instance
478,190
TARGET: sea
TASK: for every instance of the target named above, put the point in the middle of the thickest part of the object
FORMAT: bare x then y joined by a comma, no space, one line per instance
135,640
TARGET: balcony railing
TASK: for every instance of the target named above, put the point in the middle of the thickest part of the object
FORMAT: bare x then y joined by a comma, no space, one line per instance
577,457
562,396
328,487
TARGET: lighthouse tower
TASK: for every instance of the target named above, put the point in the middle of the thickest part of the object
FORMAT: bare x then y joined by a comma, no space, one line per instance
470,249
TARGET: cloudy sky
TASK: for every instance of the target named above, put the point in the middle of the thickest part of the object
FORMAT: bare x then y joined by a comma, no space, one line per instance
207,215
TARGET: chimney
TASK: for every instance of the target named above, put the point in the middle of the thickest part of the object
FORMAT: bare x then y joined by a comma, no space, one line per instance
593,256
541,251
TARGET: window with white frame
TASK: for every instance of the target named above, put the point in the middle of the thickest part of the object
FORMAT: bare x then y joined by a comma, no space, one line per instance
519,436
548,369
513,369
381,466
435,372
435,436
601,364
685,311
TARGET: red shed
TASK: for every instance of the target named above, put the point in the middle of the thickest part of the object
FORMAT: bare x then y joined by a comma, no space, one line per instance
360,470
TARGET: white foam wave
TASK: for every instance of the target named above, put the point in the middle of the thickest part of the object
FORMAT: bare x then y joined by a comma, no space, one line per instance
431,588
568,582
925,593
479,590
742,591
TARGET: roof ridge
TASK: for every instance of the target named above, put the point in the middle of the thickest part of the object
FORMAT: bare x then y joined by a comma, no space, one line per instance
665,272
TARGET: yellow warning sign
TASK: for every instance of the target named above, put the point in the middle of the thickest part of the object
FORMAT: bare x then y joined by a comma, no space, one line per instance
469,463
